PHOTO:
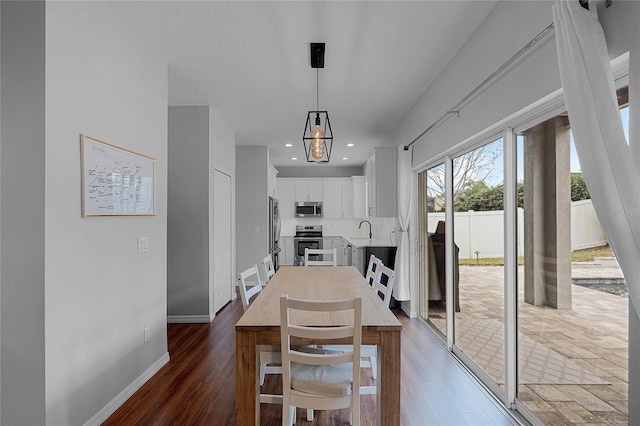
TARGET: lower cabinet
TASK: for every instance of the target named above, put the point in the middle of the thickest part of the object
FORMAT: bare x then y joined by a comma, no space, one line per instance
357,258
287,251
340,244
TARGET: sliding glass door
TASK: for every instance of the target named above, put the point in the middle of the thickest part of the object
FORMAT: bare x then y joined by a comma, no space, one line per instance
478,259
431,213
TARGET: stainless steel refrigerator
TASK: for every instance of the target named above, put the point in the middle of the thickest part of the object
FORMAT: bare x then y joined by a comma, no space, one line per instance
274,231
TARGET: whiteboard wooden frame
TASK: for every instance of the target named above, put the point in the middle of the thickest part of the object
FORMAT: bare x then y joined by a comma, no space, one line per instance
115,180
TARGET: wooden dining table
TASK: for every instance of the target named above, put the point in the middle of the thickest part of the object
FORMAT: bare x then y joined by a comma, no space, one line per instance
260,325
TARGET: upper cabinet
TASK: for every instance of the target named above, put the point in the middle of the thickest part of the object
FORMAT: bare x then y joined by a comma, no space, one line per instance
337,198
381,182
359,197
341,197
308,190
285,195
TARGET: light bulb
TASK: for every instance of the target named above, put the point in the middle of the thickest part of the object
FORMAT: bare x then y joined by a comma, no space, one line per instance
317,144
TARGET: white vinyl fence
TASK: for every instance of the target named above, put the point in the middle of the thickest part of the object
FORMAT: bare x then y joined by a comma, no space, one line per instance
483,232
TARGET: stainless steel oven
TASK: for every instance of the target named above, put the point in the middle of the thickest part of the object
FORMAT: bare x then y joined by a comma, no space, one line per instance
307,236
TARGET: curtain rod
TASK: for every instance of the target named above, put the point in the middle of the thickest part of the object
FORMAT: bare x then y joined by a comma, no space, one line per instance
456,108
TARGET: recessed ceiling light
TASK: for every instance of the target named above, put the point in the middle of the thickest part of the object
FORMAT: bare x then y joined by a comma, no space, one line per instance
294,158
288,145
345,158
351,144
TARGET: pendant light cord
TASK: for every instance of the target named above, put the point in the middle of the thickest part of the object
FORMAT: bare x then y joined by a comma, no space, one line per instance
317,91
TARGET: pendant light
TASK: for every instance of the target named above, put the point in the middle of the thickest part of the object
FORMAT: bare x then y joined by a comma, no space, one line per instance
317,137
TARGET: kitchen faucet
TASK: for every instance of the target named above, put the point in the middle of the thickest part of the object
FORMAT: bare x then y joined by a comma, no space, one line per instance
366,221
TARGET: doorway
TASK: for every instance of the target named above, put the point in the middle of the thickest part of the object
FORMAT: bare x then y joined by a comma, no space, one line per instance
220,281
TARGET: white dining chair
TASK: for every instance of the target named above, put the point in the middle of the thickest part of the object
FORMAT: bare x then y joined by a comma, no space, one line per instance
383,286
332,253
268,354
269,269
320,381
372,269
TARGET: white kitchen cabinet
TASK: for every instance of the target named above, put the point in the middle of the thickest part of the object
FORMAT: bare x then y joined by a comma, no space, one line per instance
327,243
337,198
308,190
357,258
340,244
285,194
347,198
359,201
381,182
332,198
287,254
341,197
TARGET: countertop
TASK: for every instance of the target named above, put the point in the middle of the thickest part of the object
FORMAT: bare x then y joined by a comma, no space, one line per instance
369,242
360,241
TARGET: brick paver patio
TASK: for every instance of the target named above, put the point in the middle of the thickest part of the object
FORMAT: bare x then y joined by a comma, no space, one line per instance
592,335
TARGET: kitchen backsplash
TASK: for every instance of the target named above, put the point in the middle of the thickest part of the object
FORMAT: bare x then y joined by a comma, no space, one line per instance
381,227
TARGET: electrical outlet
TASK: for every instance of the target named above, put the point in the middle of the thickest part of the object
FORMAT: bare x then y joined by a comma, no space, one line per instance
147,334
143,244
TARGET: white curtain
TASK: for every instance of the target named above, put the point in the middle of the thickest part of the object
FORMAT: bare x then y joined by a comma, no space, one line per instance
607,165
401,291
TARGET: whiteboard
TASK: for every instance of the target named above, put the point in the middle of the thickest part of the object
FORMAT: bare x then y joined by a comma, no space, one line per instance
115,181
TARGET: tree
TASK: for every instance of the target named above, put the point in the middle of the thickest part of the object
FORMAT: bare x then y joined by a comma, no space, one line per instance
490,199
579,189
469,171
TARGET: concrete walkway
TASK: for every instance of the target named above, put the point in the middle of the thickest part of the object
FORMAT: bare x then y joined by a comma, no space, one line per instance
601,267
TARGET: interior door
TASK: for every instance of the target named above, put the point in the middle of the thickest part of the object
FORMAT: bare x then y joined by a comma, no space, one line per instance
222,282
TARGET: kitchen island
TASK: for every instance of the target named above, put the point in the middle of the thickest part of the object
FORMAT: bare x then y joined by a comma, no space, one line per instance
362,247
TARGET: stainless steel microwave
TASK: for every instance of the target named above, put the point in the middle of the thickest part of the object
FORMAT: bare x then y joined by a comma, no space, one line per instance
308,208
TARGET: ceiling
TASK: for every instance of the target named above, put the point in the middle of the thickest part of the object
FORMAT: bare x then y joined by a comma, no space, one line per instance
251,60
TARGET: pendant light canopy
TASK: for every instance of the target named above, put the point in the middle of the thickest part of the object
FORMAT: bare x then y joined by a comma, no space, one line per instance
317,137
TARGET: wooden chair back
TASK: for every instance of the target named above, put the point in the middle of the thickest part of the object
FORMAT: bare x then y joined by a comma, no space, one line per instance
269,269
332,253
385,279
315,397
247,292
372,269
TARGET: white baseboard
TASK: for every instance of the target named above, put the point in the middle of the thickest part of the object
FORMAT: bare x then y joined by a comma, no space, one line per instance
122,397
188,319
406,308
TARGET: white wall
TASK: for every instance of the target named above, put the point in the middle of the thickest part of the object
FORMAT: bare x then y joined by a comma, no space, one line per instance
100,293
252,206
504,32
200,140
222,157
188,212
23,213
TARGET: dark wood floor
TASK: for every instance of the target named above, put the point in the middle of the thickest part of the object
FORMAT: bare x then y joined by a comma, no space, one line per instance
197,387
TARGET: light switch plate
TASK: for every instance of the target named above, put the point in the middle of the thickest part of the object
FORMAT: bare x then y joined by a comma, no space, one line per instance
143,244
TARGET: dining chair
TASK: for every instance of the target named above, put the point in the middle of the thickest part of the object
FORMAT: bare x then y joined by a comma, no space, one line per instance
269,269
320,381
383,286
372,269
333,253
268,354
